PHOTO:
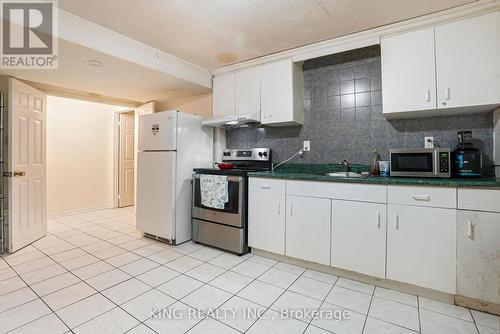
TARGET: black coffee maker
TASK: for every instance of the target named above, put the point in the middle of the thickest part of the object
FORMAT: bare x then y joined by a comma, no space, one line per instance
467,160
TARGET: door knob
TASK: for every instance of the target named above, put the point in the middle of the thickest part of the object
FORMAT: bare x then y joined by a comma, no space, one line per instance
19,174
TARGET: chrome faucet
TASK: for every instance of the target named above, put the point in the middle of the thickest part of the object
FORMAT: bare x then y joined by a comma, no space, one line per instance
345,165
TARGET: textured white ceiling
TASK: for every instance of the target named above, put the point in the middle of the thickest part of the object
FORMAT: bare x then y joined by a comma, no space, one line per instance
200,30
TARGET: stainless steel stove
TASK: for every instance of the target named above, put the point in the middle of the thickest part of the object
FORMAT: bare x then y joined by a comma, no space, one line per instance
227,228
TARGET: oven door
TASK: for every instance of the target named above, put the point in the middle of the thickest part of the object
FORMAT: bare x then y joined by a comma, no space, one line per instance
418,163
233,213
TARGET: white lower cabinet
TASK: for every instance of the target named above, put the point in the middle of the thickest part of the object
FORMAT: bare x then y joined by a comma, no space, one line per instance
266,221
359,237
308,222
421,246
478,250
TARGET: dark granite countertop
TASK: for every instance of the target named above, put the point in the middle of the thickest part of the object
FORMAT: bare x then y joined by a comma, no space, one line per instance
313,173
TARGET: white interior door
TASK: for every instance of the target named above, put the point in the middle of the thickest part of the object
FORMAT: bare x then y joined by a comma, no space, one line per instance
27,163
127,161
145,109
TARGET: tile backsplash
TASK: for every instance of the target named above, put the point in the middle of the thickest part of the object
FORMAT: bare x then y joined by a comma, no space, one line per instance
343,117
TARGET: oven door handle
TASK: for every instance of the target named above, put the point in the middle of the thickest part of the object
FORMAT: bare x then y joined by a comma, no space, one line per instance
237,179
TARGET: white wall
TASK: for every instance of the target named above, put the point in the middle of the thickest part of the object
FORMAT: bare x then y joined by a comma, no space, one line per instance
79,154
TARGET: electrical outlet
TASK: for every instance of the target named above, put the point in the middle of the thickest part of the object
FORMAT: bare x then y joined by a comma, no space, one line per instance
429,142
307,146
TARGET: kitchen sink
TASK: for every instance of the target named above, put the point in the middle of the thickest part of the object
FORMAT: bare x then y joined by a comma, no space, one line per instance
344,174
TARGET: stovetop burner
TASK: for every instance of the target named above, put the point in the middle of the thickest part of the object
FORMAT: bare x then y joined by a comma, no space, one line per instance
245,161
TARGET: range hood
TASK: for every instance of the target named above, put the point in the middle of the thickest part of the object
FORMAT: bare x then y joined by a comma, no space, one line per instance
233,121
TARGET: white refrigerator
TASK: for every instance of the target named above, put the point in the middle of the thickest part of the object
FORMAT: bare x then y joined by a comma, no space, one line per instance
171,144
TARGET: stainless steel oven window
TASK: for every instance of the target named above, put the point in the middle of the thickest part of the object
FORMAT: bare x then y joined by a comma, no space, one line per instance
233,213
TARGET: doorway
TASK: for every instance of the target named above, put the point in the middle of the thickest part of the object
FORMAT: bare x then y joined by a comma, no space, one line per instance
125,159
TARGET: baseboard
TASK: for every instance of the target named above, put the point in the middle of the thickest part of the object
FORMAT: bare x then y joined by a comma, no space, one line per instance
380,282
477,304
79,211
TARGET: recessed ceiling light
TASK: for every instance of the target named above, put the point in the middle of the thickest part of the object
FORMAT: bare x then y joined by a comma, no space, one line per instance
96,63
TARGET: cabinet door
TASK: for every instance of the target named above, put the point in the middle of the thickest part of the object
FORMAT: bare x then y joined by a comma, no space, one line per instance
359,237
266,221
248,91
421,246
223,94
468,62
308,223
408,72
277,92
478,251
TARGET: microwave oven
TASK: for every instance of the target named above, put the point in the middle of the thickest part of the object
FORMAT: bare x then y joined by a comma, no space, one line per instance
426,162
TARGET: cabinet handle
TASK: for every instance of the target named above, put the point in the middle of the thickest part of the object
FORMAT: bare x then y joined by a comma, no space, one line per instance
279,208
291,209
378,219
396,222
428,95
265,186
470,229
448,94
425,198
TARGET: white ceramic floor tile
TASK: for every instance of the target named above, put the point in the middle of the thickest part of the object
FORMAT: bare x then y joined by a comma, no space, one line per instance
138,267
141,329
316,330
206,254
16,298
84,310
122,259
164,256
108,252
263,260
49,324
11,284
91,270
114,321
272,323
107,279
131,245
205,272
290,268
437,323
485,319
183,264
226,260
69,295
158,276
446,309
339,320
67,255
148,250
349,299
14,261
396,296
375,326
311,288
231,281
251,269
486,330
78,262
188,247
211,326
55,283
180,286
7,273
33,265
125,291
355,285
297,306
150,302
93,248
22,315
205,298
396,313
239,313
261,293
324,277
185,321
42,274
278,277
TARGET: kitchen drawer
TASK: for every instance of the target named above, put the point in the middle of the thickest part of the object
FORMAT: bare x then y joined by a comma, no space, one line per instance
342,191
479,199
265,185
423,196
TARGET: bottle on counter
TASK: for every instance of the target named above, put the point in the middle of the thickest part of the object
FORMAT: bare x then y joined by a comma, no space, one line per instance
375,170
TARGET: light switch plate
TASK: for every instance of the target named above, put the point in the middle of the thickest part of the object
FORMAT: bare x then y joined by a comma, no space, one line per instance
429,142
307,146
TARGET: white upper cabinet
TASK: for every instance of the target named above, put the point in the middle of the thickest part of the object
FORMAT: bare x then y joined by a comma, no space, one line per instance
247,92
448,69
282,93
468,62
408,72
223,94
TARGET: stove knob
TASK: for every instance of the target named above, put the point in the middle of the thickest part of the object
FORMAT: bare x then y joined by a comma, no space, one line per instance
260,154
265,154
